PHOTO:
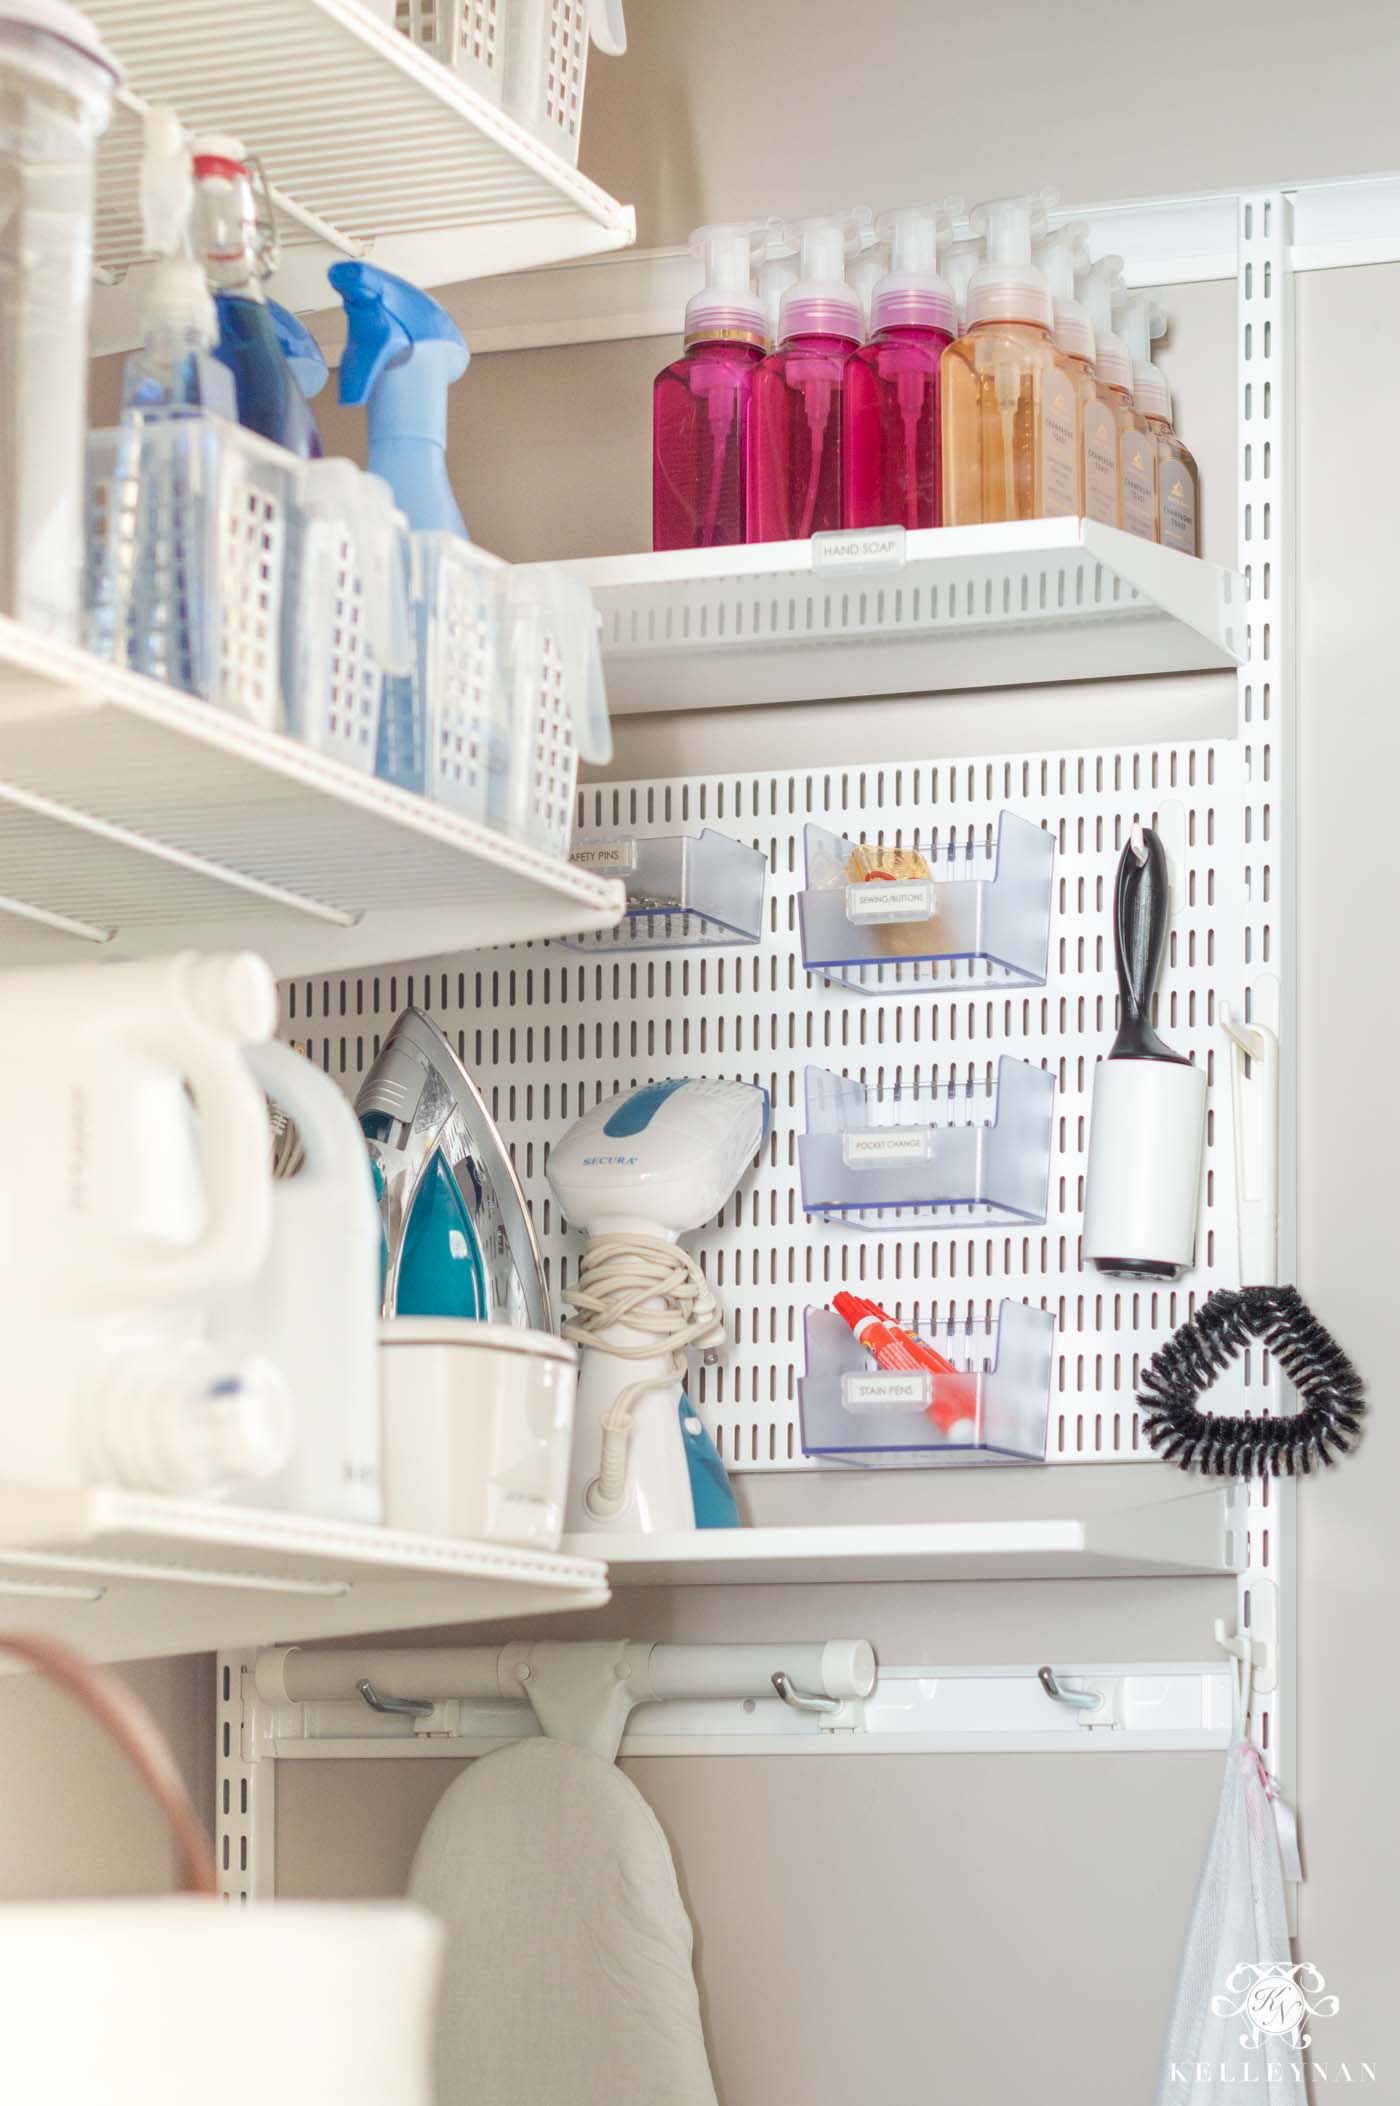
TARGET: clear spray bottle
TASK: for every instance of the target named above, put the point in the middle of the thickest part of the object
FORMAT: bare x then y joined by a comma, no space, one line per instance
1010,407
176,368
1178,480
795,432
892,442
1137,489
701,402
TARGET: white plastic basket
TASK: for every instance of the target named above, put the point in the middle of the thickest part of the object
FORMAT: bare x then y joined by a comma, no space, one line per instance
530,56
457,605
558,704
347,627
187,526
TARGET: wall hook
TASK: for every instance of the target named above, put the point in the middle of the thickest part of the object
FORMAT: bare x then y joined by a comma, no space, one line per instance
1076,1699
392,1706
803,1700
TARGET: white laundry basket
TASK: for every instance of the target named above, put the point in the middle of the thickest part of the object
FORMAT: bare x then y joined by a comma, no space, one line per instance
530,56
187,526
347,629
558,704
457,607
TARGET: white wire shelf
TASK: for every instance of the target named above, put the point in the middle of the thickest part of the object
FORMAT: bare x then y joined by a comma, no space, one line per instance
130,1576
1195,1536
137,820
371,147
886,613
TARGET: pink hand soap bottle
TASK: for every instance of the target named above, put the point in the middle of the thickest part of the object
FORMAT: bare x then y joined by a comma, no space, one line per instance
795,431
701,403
893,443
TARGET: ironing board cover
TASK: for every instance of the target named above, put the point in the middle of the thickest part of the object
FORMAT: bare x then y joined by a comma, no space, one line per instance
568,1977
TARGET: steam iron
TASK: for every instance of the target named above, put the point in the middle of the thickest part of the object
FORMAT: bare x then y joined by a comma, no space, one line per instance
457,1236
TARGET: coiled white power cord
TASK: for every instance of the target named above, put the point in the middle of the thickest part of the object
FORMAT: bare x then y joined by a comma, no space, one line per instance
618,1277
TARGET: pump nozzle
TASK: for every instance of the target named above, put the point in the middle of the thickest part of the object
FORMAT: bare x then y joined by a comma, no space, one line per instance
1008,287
1056,257
821,303
912,292
726,305
403,353
1095,287
777,270
1140,322
961,261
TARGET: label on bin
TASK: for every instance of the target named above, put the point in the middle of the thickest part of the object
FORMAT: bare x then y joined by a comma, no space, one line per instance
884,1392
887,1144
616,858
874,548
880,899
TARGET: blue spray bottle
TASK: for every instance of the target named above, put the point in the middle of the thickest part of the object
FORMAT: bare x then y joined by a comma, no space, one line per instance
237,245
300,349
403,353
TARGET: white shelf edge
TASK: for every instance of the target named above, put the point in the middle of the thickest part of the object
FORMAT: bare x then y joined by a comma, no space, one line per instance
135,1576
789,621
536,895
1183,1536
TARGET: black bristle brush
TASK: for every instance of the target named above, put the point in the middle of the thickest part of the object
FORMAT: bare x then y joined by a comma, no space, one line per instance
1327,1423
1330,1403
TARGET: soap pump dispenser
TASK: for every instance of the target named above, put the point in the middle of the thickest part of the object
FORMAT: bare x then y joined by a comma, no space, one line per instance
1178,483
701,401
795,430
1055,258
1010,406
1113,366
403,353
892,445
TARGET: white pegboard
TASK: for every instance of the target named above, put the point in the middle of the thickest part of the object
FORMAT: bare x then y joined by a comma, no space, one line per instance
546,1032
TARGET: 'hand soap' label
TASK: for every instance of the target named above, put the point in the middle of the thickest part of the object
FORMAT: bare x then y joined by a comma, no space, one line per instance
1178,505
1100,463
1137,455
1058,443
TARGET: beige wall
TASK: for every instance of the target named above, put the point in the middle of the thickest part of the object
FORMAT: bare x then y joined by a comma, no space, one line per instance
738,107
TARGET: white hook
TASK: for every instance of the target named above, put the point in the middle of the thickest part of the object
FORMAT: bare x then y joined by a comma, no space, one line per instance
1137,843
1254,1108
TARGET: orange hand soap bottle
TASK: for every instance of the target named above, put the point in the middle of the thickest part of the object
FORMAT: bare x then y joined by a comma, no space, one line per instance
1178,483
1137,449
1055,259
1010,402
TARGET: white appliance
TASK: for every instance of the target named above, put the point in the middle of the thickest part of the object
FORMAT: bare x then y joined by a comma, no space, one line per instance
477,1423
313,1306
137,1198
635,1174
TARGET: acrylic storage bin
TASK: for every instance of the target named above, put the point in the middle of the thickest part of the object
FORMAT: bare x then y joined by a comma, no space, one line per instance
466,707
684,891
994,1408
557,704
891,920
941,1156
188,519
347,660
530,56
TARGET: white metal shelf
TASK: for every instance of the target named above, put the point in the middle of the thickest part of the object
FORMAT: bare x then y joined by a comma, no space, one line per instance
1180,1537
885,613
137,820
371,146
130,1576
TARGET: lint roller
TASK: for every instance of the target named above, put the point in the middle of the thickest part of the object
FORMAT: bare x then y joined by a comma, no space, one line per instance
1147,1130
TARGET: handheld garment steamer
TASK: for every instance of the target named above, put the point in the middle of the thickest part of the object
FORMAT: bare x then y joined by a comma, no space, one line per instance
635,1174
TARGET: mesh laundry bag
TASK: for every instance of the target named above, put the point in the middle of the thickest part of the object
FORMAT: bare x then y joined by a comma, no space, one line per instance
568,1978
1220,2051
